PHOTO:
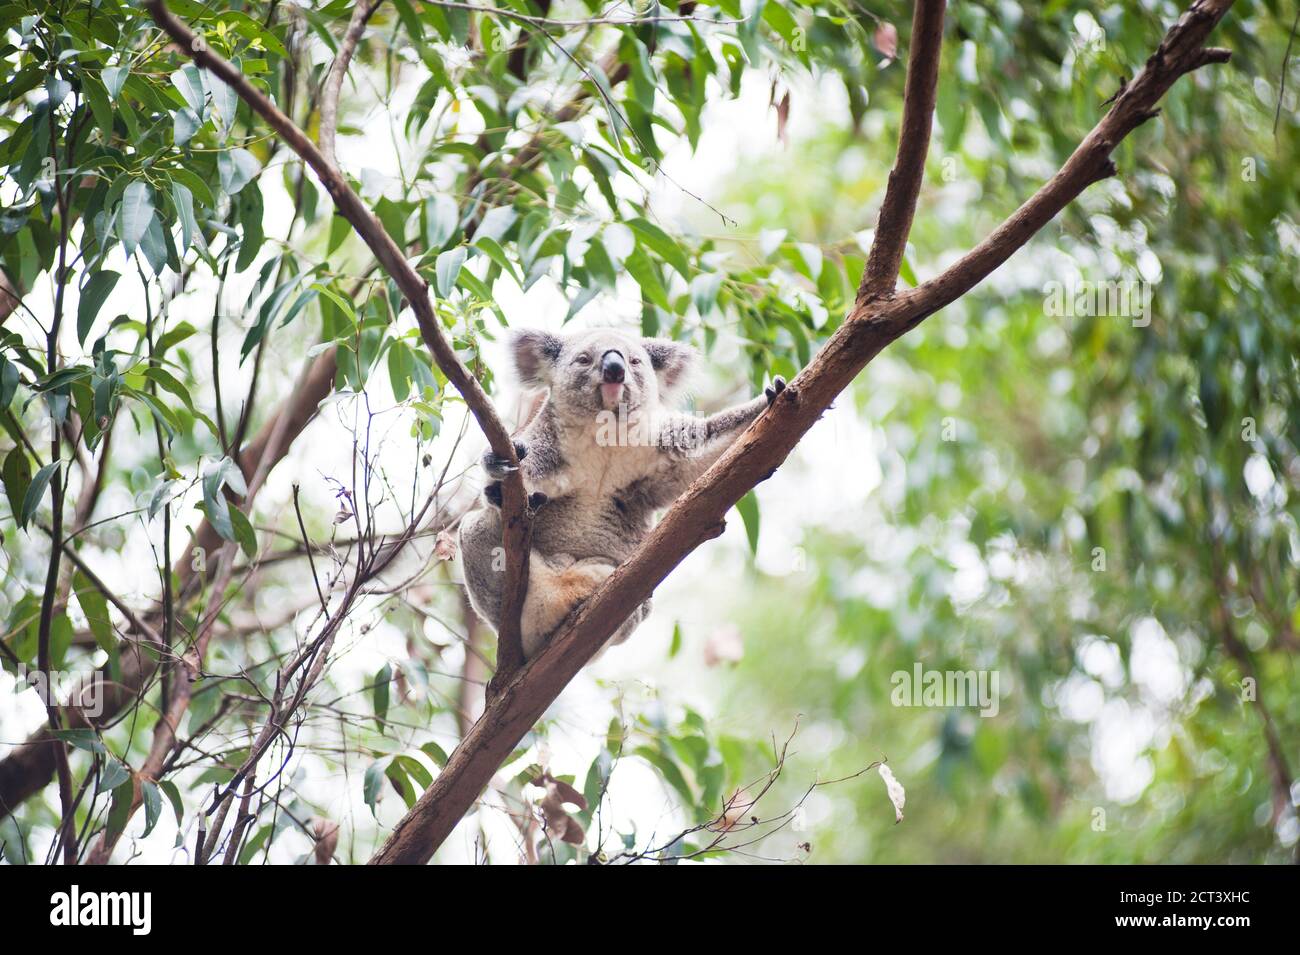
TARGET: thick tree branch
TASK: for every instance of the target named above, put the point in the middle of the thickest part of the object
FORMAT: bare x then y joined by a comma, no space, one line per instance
516,519
919,94
698,514
1180,52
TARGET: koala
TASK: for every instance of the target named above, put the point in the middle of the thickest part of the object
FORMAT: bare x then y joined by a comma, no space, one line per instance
601,456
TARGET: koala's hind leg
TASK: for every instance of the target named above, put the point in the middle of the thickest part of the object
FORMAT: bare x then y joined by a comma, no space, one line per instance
631,623
483,561
634,620
555,587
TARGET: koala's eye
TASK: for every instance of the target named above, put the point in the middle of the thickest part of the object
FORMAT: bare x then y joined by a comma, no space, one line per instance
582,360
636,361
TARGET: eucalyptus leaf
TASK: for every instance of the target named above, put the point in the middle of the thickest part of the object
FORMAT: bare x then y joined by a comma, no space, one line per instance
93,294
448,269
135,215
114,77
237,168
183,199
36,491
189,80
185,123
225,101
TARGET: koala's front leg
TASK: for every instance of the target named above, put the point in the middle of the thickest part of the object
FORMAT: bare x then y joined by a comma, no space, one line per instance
725,426
698,442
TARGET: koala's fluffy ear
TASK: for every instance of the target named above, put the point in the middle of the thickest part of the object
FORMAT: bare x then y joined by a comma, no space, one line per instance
535,353
672,362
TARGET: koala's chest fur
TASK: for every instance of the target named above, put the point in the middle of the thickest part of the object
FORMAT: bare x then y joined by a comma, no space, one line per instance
597,470
599,502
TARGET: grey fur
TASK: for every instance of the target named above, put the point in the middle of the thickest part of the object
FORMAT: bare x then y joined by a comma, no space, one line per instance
604,471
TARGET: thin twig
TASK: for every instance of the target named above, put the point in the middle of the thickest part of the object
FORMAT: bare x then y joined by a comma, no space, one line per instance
311,561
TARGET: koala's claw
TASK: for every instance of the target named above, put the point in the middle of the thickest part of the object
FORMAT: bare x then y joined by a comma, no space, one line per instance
777,386
498,467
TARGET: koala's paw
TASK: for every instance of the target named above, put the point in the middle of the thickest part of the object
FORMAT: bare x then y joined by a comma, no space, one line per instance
498,467
493,494
777,386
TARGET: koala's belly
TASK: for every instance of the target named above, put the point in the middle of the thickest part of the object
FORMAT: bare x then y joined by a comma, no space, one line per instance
584,528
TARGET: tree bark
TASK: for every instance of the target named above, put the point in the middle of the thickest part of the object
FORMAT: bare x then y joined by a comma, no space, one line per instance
899,207
329,103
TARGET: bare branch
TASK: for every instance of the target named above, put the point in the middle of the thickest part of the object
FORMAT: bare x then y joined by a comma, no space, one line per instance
166,730
329,101
311,560
1180,52
899,207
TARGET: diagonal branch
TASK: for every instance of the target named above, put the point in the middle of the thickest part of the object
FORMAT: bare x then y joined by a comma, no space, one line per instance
919,94
350,206
516,518
138,625
697,515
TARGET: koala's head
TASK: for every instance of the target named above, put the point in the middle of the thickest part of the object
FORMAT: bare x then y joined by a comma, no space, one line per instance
592,371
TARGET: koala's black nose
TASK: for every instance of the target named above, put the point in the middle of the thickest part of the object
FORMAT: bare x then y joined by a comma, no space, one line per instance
612,369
